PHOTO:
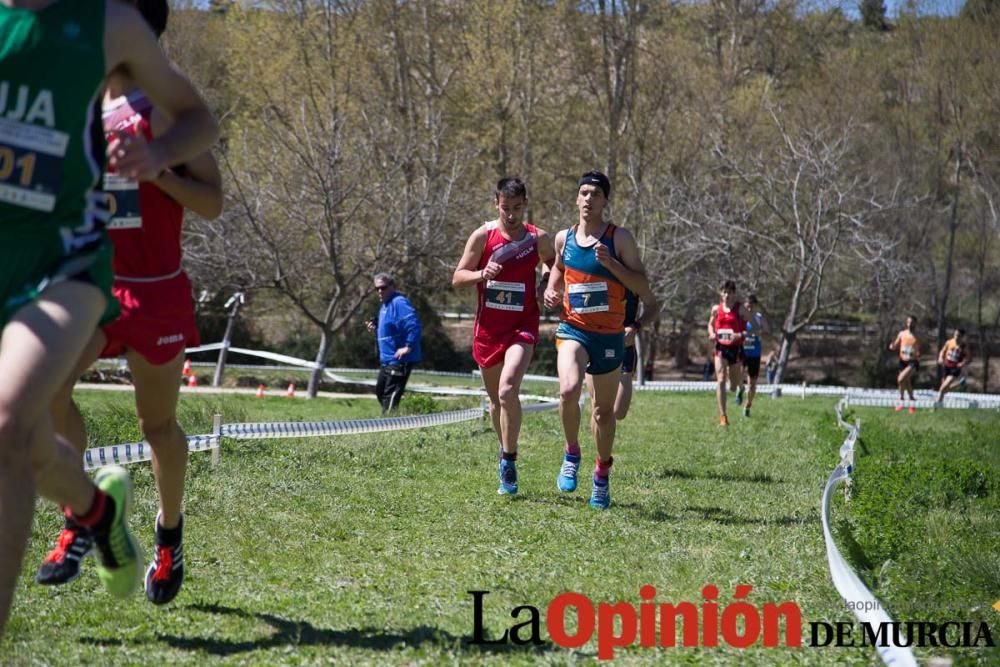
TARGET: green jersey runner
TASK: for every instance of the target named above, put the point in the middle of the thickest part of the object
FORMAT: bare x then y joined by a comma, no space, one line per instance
56,275
52,151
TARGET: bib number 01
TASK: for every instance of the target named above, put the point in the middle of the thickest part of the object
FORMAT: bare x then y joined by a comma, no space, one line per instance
30,164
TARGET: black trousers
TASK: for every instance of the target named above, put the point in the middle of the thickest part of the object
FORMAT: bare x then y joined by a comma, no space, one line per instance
392,379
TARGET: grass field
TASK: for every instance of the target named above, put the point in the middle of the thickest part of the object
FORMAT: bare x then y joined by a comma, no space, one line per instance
361,549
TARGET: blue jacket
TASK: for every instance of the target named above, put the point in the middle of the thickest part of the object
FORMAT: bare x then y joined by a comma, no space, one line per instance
398,326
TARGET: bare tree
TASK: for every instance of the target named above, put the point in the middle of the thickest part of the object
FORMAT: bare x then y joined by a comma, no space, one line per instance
608,31
883,293
811,203
321,195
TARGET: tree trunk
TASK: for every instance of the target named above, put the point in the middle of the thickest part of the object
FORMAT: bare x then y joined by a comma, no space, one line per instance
652,345
949,258
681,356
980,325
317,374
787,340
640,358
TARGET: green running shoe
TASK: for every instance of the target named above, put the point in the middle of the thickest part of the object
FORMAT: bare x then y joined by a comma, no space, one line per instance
121,566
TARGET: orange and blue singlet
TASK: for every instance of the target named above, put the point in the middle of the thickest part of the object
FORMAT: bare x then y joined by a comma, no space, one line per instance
593,303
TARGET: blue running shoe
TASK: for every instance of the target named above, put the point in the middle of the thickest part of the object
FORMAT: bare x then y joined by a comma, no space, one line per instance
508,478
566,480
600,497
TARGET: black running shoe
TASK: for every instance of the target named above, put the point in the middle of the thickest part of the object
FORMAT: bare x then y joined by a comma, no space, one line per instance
62,564
166,573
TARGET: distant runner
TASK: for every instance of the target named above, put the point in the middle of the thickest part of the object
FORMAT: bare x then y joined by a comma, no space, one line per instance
726,328
953,359
908,348
756,326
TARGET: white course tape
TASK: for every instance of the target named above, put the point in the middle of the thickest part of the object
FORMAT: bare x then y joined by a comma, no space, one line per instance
137,452
330,375
415,388
418,371
210,347
274,356
294,362
249,367
445,391
533,378
540,407
252,431
861,601
541,378
303,366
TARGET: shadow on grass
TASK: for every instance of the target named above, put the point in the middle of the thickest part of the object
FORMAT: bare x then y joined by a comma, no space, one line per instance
729,518
578,499
854,551
302,633
758,478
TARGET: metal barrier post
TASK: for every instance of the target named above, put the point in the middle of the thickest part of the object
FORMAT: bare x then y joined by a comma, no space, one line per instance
217,434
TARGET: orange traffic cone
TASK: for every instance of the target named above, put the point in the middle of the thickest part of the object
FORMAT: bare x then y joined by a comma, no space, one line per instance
291,390
187,368
193,380
260,391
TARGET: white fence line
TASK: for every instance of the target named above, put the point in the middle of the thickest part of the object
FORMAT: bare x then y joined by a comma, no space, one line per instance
924,396
138,452
271,430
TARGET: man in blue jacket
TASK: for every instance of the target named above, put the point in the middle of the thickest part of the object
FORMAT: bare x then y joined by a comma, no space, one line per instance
397,330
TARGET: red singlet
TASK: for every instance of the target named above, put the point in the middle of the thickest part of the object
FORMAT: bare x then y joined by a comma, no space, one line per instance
157,319
729,327
508,307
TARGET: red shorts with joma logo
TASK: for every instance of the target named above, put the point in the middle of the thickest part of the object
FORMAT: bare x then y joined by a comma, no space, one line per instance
488,351
157,320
